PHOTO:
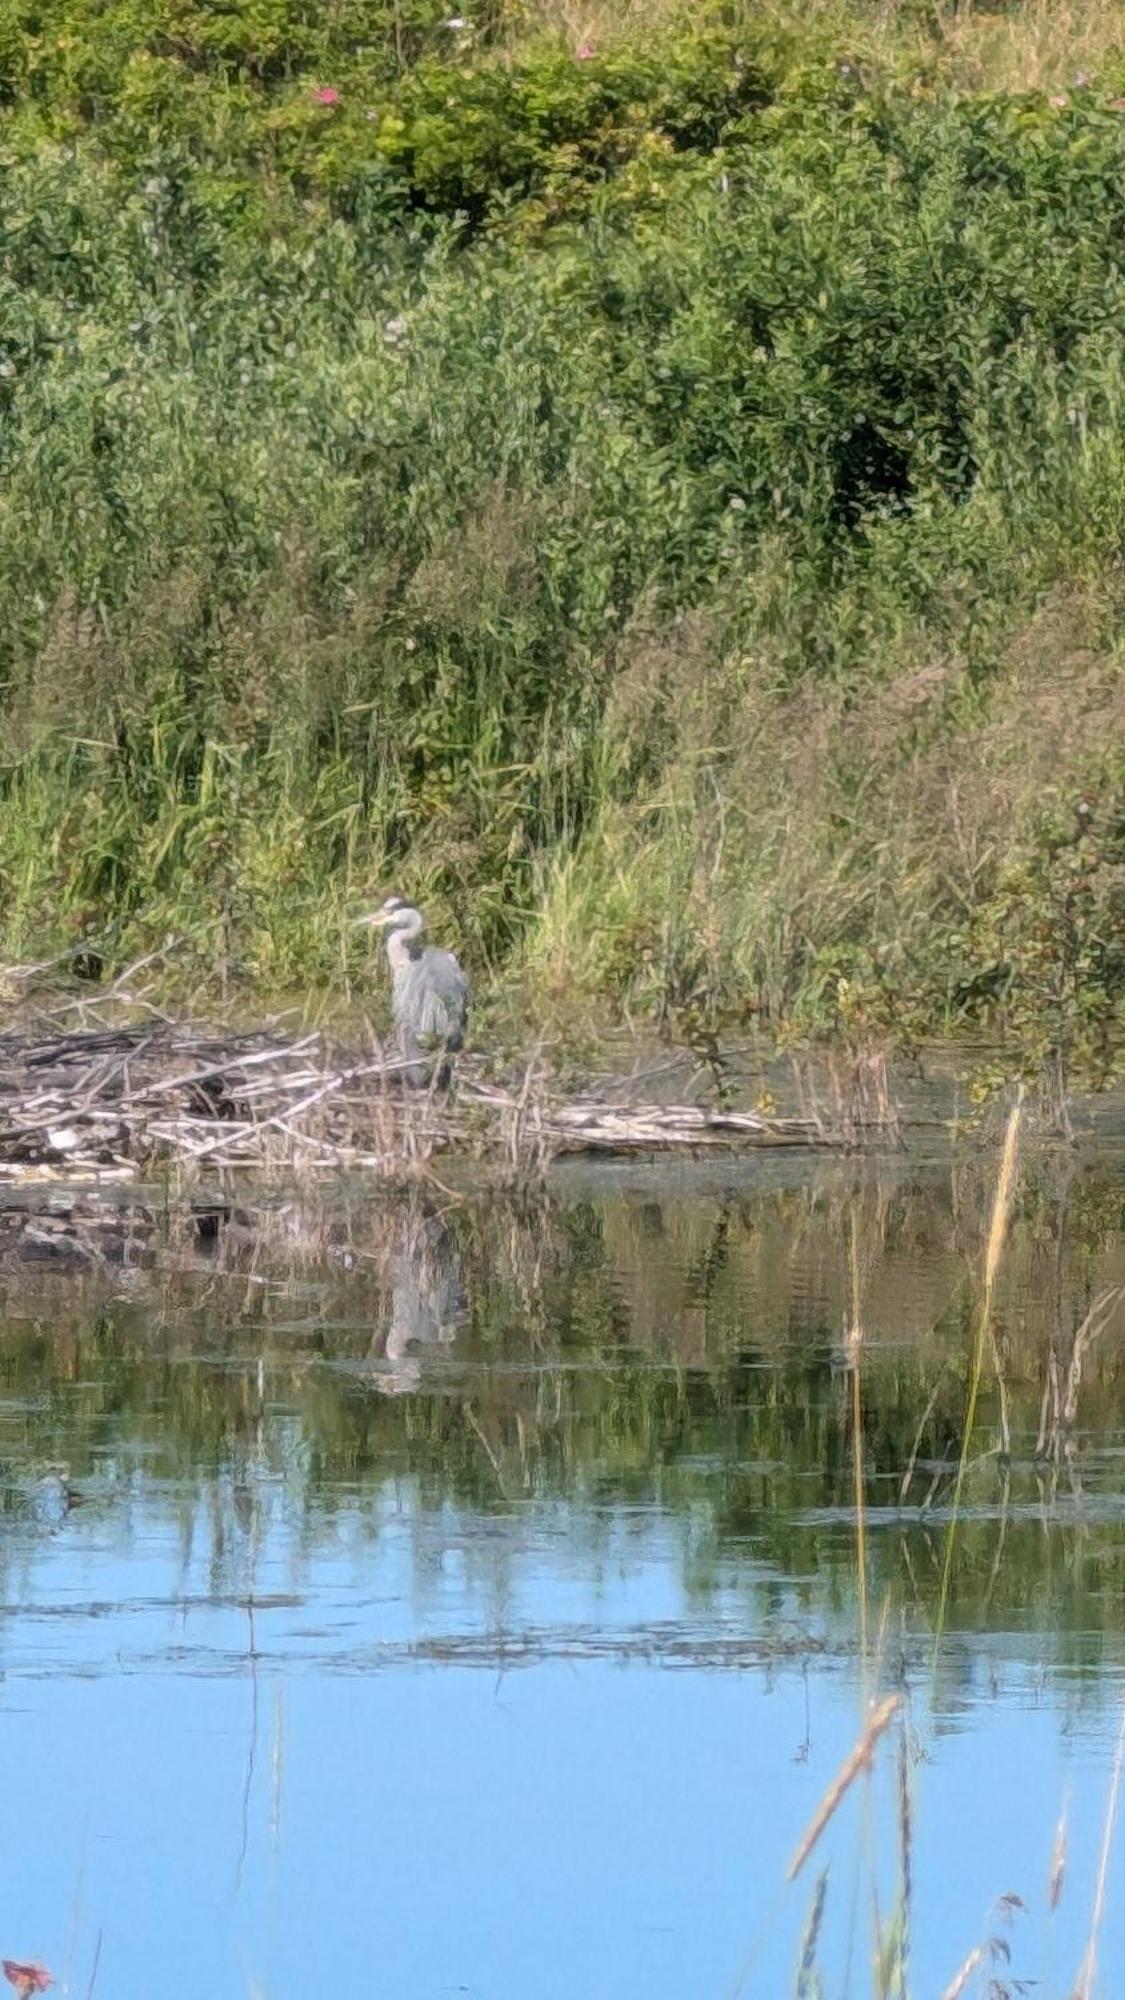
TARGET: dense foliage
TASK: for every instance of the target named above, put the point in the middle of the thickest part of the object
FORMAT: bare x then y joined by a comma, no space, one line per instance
662,503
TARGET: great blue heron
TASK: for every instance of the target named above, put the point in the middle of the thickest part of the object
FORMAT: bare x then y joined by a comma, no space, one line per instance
430,993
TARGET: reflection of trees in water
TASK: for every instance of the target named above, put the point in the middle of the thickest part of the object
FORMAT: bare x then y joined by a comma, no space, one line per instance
678,1354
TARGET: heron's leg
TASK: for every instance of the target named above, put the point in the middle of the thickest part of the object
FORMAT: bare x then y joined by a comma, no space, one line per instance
416,1074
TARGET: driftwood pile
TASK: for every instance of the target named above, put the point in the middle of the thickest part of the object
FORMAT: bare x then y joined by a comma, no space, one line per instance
103,1103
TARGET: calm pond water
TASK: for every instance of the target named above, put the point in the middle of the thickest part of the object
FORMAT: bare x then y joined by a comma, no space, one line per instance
444,1596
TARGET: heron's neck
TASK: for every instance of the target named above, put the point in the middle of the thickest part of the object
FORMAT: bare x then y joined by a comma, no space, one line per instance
402,944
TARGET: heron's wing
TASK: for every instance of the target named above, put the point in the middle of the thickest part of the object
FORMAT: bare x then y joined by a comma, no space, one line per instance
457,1002
433,1002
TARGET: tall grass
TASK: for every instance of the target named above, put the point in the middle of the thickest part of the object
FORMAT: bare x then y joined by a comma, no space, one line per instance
688,563
986,1966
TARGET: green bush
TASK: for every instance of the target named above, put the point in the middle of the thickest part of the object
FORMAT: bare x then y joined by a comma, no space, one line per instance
645,574
333,102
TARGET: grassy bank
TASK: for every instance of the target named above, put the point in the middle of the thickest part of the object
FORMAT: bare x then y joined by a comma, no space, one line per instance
651,486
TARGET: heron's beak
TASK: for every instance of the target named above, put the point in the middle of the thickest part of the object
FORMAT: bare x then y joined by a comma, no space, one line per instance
374,922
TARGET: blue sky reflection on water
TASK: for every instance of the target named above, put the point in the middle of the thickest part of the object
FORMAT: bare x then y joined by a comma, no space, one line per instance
547,1527
341,1815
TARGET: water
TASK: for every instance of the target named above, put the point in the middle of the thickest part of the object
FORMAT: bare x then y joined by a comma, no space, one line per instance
446,1597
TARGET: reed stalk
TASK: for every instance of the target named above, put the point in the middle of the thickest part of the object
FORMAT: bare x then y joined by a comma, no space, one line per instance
857,1760
1087,1974
855,1349
997,1235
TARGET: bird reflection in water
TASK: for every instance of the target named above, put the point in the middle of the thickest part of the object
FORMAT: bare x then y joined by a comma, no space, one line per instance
427,1301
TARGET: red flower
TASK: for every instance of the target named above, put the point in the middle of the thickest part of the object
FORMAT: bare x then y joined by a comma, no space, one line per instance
326,95
27,1979
585,52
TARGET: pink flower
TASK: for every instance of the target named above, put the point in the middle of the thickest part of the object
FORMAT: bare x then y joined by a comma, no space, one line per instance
585,52
326,95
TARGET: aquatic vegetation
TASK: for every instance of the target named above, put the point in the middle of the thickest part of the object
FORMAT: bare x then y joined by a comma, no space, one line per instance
988,1966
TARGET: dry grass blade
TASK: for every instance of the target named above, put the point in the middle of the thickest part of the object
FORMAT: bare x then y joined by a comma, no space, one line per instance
854,1349
1084,1985
1093,1326
1002,1205
964,1973
1058,1864
997,1235
806,1969
912,1461
856,1761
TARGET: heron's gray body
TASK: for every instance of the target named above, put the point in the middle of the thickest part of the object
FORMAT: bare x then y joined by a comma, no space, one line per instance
431,996
430,993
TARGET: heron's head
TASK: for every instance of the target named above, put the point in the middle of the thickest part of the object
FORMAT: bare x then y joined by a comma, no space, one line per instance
396,914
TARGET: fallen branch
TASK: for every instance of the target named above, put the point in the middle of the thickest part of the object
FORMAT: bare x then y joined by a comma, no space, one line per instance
144,1095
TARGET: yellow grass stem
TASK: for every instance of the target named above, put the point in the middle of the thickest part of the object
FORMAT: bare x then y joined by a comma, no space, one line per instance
997,1234
1058,1863
855,1346
857,1760
963,1974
